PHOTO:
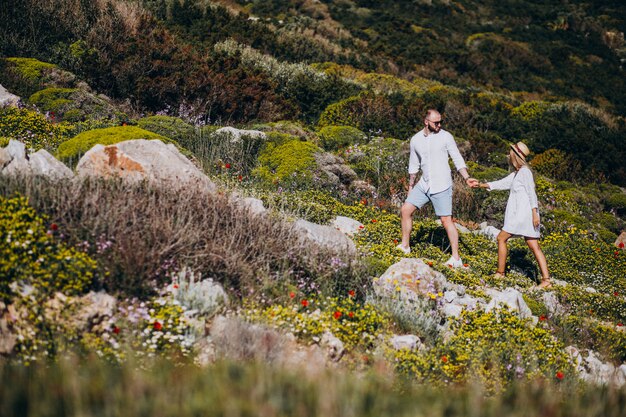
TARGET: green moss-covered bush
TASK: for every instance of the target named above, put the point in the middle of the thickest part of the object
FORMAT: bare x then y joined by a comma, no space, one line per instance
288,164
333,138
557,164
52,99
25,76
170,127
74,148
496,348
32,128
32,254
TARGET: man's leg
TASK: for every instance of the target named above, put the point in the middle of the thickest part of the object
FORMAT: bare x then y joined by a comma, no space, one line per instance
406,213
453,235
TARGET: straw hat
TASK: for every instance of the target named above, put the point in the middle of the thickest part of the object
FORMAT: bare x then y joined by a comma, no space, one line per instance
520,150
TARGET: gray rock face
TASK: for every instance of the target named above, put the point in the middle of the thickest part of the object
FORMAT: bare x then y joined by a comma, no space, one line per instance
489,231
593,370
346,225
325,236
43,163
511,298
334,347
14,160
254,205
334,167
407,341
8,99
137,160
236,134
410,279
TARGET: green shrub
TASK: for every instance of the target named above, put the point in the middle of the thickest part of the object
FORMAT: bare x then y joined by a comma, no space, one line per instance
616,202
32,254
290,163
73,149
557,165
32,129
170,127
52,99
333,138
494,348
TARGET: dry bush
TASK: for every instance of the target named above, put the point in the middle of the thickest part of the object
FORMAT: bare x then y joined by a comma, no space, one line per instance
142,234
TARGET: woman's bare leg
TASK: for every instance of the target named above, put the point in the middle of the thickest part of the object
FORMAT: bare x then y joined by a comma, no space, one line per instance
502,238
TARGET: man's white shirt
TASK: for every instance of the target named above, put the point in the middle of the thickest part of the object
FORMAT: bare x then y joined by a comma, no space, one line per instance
430,155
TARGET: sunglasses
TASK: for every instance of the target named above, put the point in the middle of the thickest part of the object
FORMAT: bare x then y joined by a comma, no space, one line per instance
437,123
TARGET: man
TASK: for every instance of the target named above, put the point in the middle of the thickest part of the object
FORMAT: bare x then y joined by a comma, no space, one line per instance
430,149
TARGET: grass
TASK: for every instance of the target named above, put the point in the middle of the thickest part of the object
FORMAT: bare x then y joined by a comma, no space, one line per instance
77,386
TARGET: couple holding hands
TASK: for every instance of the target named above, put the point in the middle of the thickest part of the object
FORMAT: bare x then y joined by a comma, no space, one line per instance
430,149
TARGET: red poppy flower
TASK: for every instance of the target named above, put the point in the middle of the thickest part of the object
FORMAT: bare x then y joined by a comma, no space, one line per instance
395,241
240,178
54,227
374,220
466,265
304,303
430,263
337,315
116,330
227,166
157,326
560,375
292,294
615,293
351,314
621,245
444,359
616,253
361,227
175,286
542,317
619,324
351,293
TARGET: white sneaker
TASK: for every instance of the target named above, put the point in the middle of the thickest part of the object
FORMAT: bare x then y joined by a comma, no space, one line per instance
455,263
403,249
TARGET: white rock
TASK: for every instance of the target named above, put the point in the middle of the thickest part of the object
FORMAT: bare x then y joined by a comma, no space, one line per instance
333,346
346,225
509,297
489,231
452,310
254,205
8,99
43,163
236,134
140,159
325,236
407,341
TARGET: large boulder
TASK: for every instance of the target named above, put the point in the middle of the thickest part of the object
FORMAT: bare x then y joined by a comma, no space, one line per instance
325,236
346,225
140,159
14,160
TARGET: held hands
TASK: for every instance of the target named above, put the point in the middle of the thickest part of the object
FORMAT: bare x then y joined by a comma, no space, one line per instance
471,182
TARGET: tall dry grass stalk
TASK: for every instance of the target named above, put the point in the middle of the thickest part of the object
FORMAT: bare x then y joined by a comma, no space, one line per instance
141,234
79,387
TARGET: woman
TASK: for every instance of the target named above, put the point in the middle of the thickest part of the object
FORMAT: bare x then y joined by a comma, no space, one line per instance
521,217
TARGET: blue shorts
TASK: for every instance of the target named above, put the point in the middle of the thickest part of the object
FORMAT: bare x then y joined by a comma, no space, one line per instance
442,201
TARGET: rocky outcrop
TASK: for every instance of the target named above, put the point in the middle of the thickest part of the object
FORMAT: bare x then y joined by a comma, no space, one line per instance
346,225
325,236
15,160
8,99
236,135
138,160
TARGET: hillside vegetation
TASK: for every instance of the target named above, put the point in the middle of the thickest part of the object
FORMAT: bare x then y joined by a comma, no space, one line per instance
205,300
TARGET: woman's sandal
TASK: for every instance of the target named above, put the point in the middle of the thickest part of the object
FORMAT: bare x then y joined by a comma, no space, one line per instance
545,284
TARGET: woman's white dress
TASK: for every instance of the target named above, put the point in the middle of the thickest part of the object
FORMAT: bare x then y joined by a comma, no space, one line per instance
518,218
